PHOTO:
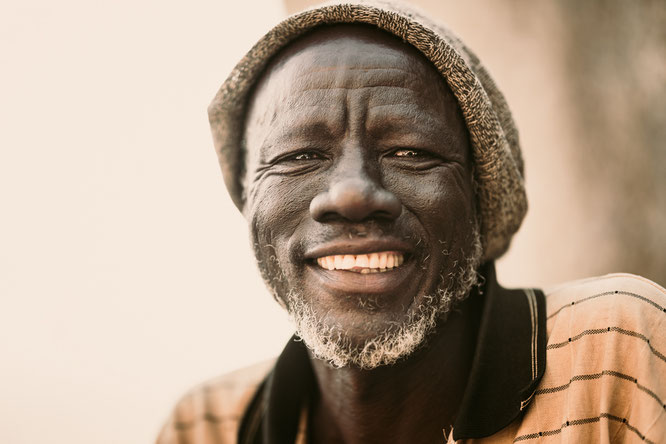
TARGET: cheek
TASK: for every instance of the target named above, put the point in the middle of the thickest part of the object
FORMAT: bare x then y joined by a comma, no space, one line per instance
276,203
442,200
283,200
278,208
269,251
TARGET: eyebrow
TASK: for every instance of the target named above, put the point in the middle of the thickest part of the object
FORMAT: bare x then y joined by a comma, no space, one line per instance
316,126
386,117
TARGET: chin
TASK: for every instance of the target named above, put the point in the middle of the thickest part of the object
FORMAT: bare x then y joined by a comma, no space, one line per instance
367,350
373,338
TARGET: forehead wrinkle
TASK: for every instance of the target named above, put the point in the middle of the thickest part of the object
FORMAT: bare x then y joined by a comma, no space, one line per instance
351,88
312,70
300,79
315,93
326,69
409,112
346,78
311,123
394,96
391,124
352,51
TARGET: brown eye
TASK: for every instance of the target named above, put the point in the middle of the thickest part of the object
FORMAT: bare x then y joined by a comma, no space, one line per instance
406,152
308,155
413,159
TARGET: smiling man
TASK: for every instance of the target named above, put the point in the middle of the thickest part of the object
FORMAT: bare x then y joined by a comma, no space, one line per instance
380,174
354,146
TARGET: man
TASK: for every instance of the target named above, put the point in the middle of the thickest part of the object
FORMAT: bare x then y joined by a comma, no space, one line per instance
380,174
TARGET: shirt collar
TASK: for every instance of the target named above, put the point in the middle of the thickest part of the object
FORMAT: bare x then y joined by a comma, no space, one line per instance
509,361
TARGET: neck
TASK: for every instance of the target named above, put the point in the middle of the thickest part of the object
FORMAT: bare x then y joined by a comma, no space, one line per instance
413,401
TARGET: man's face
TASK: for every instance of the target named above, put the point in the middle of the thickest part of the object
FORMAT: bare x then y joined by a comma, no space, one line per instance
359,193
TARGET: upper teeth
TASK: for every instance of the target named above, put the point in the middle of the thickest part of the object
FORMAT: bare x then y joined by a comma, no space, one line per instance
363,263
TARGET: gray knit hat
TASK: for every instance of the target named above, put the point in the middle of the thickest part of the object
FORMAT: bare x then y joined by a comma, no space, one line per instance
498,165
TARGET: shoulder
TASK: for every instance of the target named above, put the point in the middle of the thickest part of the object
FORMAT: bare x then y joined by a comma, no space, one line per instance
611,323
210,413
618,300
625,282
605,375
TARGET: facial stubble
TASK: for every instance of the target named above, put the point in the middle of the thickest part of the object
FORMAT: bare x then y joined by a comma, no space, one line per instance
396,341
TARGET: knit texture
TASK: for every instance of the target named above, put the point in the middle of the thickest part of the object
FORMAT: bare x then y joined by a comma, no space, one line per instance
498,165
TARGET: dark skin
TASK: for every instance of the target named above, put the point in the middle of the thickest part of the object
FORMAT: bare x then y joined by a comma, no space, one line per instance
355,145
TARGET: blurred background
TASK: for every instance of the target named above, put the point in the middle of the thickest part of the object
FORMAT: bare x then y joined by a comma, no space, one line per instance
125,271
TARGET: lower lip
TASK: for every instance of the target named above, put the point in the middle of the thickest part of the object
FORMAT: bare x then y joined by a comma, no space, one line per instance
350,282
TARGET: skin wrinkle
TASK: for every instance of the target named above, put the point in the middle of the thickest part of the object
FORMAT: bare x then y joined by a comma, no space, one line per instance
376,340
374,75
359,68
378,120
354,88
273,113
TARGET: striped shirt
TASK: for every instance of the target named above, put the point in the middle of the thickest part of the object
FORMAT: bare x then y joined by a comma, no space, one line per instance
604,341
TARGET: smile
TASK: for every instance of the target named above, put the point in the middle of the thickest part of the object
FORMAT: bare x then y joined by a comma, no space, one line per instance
370,265
378,262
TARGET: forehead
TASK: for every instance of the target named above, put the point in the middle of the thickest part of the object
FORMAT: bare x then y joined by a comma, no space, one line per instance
345,56
350,46
340,74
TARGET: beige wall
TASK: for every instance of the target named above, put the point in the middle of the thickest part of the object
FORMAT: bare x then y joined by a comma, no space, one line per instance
125,273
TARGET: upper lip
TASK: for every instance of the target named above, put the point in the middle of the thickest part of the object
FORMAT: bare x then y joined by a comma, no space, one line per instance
357,246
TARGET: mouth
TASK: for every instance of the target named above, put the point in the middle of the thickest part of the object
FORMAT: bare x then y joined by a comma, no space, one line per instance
362,266
365,263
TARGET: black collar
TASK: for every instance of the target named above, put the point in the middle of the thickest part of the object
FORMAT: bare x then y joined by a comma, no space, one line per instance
509,361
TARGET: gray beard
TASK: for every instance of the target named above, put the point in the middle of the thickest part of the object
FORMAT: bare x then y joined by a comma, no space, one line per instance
329,343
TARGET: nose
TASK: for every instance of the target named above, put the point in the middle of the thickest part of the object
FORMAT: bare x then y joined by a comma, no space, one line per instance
355,199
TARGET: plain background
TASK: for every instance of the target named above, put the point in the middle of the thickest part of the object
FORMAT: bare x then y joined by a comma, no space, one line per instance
125,271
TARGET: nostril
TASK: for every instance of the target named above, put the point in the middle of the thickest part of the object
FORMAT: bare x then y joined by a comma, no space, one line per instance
384,215
319,207
355,200
390,206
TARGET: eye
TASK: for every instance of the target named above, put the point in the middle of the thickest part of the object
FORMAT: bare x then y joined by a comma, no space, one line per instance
298,162
413,153
307,155
414,159
301,156
408,152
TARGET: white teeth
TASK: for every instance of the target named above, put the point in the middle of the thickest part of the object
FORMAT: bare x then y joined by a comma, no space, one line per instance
374,261
348,262
362,263
326,262
362,260
382,260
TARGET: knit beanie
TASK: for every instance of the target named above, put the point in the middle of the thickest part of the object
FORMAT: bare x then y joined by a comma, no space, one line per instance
498,165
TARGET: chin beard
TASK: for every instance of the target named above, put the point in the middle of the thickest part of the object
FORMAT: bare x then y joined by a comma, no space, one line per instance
329,343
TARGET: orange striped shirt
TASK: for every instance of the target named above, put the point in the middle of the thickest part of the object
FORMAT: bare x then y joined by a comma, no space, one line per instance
605,378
